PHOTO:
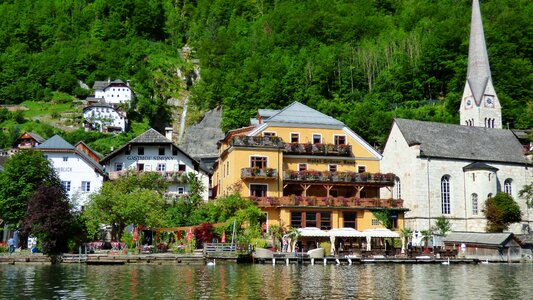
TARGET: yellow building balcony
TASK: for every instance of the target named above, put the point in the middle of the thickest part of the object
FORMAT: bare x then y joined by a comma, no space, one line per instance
318,149
312,201
259,173
257,141
339,177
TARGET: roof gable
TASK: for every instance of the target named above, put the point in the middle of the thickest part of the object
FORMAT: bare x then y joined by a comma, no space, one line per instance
151,136
56,142
302,114
462,142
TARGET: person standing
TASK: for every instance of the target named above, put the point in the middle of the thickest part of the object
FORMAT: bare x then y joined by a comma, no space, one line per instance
11,245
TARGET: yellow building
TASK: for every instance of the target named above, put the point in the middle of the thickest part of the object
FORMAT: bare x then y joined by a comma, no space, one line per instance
305,169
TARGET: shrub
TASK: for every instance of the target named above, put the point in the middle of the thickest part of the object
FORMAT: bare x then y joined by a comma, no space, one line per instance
327,247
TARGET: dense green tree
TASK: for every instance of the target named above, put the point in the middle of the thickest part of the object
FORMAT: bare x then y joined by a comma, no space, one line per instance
500,211
23,173
442,225
131,199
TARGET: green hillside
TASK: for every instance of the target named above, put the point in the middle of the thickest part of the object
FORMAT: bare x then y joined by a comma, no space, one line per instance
363,62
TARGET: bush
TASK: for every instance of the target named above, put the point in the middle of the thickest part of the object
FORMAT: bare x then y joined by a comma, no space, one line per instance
327,247
258,243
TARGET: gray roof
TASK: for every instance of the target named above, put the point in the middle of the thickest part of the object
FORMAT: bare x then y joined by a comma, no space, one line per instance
267,113
481,238
100,85
303,114
151,136
462,142
479,166
58,143
37,137
55,142
478,73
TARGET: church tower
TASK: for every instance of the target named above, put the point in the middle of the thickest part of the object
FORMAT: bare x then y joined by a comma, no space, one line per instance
480,105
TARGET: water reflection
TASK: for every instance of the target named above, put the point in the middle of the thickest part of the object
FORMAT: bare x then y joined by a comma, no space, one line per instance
369,281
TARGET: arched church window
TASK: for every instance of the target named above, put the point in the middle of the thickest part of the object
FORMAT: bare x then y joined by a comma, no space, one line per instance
475,209
398,187
492,122
508,186
445,194
489,196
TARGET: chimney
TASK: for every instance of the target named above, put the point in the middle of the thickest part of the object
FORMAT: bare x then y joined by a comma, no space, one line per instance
168,132
128,82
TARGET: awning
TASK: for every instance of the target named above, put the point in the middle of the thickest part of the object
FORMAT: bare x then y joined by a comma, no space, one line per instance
312,232
380,233
345,232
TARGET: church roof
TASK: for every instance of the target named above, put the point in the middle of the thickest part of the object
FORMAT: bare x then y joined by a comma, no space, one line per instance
462,142
478,73
298,113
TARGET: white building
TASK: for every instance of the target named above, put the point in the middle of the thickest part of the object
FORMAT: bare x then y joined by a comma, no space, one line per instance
113,92
153,152
104,118
450,170
77,167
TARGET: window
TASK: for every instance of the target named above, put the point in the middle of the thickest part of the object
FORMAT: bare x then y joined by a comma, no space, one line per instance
181,167
445,194
174,151
140,151
489,196
333,168
361,169
350,220
508,187
66,185
258,190
86,186
127,151
295,137
65,158
181,190
119,166
398,188
375,222
161,167
140,167
474,204
296,219
227,168
269,134
317,138
161,151
302,167
339,140
325,220
310,219
258,162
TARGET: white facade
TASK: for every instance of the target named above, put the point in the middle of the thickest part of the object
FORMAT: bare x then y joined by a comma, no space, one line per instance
79,174
103,117
114,92
164,158
421,180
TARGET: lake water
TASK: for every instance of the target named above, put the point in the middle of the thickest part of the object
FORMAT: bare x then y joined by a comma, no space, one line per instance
232,281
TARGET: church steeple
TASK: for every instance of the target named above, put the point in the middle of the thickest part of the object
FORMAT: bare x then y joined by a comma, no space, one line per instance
480,105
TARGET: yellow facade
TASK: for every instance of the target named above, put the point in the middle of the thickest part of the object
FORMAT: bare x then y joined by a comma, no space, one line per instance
316,173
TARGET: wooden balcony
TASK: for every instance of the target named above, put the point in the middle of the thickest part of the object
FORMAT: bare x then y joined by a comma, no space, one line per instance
257,141
318,149
311,176
322,202
170,176
257,173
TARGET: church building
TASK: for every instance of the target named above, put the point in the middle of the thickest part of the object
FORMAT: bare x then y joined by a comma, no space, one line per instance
450,170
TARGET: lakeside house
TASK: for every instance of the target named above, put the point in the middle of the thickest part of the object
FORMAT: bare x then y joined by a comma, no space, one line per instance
77,166
306,169
450,170
153,152
494,247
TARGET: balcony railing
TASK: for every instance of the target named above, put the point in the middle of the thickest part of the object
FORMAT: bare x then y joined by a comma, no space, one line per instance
352,202
341,177
267,173
170,176
318,149
257,141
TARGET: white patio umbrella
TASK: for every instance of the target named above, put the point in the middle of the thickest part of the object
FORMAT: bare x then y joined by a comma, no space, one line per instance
378,233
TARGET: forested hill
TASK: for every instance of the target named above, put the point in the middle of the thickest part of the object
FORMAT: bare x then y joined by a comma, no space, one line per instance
361,61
